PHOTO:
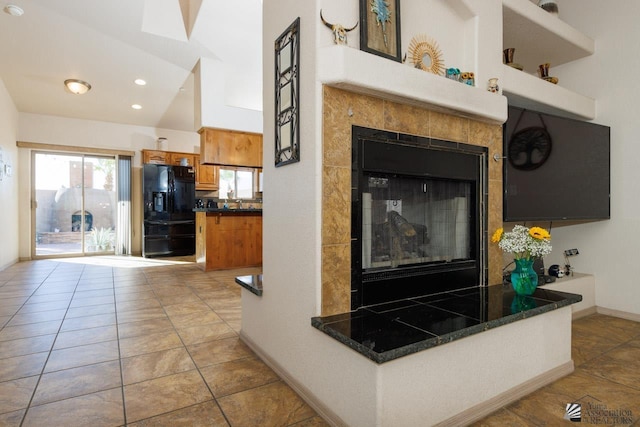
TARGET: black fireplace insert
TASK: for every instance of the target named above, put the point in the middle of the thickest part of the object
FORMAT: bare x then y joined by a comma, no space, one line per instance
418,216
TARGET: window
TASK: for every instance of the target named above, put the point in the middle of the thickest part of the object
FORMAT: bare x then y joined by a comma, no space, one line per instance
237,183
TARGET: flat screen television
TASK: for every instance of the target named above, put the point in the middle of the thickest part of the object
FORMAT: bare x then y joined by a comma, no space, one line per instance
555,168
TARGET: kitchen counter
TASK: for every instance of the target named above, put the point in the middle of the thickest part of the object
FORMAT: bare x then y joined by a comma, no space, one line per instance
228,238
227,211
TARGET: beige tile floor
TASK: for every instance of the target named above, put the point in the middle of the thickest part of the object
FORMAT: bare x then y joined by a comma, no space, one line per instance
606,354
107,341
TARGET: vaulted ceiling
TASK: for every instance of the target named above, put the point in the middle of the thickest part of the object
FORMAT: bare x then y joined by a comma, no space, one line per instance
110,43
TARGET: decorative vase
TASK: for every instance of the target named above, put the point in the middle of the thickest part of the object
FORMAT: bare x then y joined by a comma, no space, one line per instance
524,278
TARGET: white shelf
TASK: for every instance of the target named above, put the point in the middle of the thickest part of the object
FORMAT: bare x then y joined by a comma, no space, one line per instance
348,68
527,91
539,37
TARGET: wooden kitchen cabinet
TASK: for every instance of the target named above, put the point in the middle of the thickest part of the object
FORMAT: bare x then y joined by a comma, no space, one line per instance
230,148
155,157
227,240
206,176
175,158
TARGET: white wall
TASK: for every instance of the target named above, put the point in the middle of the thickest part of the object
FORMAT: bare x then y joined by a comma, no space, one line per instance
86,133
278,324
608,249
8,185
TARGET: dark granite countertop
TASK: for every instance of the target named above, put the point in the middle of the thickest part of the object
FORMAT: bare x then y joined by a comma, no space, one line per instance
253,283
388,331
229,211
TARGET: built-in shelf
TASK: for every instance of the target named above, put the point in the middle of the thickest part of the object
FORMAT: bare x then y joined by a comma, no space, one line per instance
539,37
348,68
527,91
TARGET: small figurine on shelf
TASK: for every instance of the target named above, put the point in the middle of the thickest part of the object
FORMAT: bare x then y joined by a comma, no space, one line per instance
468,78
543,70
453,74
508,58
550,6
493,85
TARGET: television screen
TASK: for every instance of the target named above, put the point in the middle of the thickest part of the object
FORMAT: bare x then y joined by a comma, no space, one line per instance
555,168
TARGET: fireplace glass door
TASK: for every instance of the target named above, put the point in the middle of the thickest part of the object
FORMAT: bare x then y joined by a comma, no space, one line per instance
409,221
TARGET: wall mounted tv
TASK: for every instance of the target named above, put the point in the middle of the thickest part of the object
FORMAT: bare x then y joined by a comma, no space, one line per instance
555,168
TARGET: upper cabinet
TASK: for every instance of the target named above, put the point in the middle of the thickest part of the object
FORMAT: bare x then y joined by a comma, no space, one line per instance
155,157
206,176
539,37
230,148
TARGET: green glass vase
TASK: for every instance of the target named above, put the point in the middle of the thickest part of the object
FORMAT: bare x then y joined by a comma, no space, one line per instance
524,278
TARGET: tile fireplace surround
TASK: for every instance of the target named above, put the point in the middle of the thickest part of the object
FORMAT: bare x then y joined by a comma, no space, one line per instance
422,387
341,110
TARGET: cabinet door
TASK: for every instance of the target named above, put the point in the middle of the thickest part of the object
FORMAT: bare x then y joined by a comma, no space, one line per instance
155,156
246,150
211,143
206,175
223,147
176,159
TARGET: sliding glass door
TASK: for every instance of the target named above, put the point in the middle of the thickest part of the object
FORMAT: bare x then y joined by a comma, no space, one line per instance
74,204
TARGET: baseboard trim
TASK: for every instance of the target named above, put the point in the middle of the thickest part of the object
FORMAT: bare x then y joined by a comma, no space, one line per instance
584,313
488,407
465,417
9,264
618,313
325,412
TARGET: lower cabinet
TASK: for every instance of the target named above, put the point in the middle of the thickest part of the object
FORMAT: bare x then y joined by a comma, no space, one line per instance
227,240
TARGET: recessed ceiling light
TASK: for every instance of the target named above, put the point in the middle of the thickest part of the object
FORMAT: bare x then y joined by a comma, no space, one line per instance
136,106
13,10
140,82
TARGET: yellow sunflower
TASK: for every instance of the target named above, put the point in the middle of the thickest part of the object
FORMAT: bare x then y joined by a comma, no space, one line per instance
539,233
497,235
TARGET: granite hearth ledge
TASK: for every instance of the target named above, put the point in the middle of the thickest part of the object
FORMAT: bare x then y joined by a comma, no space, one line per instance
388,331
252,283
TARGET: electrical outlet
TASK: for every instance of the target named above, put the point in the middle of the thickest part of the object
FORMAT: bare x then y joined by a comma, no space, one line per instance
571,252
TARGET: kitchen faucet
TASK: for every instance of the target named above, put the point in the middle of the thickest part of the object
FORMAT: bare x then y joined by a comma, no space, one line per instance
239,202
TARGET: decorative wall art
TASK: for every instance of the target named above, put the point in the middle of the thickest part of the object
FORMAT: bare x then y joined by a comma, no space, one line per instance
338,30
287,83
426,55
380,28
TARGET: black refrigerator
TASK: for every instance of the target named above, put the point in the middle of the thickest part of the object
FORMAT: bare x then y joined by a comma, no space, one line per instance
169,227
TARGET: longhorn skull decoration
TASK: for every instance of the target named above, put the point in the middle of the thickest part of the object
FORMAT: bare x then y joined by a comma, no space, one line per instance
339,32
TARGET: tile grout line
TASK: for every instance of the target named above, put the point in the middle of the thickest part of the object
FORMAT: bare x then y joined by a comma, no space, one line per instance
26,412
191,356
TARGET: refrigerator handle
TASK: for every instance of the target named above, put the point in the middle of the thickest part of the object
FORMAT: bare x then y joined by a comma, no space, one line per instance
171,189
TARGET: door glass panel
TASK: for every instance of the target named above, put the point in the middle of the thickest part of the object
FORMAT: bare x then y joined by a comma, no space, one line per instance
58,195
100,204
75,204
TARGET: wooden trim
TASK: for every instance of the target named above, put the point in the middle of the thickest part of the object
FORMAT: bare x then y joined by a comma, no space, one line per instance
74,149
481,410
202,129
